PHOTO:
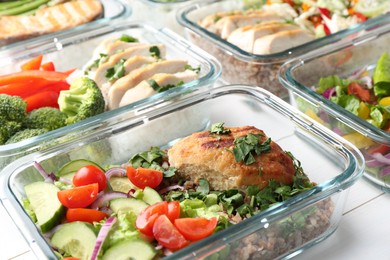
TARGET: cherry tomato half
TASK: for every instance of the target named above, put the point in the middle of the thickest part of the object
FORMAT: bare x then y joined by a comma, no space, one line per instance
167,234
79,197
364,94
86,215
195,228
142,177
173,210
146,219
90,174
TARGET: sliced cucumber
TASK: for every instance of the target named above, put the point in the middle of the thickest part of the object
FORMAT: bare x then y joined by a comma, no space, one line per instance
372,8
74,166
121,184
44,202
128,204
76,239
136,249
69,176
151,196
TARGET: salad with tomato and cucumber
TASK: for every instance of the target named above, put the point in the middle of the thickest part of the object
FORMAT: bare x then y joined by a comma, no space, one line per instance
366,95
144,209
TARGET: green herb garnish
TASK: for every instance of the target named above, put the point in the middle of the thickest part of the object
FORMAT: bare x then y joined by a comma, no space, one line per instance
189,67
155,52
128,38
159,88
219,129
95,64
247,145
117,71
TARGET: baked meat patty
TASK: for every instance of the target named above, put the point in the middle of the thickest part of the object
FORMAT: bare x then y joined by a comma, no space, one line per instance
208,155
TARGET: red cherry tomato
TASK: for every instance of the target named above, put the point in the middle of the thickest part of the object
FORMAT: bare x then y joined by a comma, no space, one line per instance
167,234
173,210
86,215
90,174
79,197
146,219
142,177
381,148
195,228
364,94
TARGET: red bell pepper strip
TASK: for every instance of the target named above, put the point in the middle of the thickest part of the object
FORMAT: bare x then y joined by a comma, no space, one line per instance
68,72
48,66
33,64
42,99
23,76
32,87
325,12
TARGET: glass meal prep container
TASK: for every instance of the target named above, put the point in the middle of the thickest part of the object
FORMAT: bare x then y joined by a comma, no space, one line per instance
112,10
345,59
75,51
283,230
240,66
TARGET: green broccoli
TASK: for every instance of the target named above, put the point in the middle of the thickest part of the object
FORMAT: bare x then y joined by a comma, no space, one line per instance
12,108
49,118
25,134
83,100
8,129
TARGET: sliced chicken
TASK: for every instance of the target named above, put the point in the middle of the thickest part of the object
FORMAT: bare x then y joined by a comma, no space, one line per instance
145,89
47,20
227,25
118,46
281,41
119,88
246,36
129,65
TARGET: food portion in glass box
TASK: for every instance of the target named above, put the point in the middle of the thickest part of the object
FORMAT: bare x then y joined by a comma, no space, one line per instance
267,27
39,98
366,94
24,19
163,200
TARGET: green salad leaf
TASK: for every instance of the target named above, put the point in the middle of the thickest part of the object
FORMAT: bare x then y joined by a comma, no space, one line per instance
246,145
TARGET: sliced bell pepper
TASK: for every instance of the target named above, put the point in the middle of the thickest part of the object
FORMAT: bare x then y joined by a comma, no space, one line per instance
33,64
23,76
48,66
42,99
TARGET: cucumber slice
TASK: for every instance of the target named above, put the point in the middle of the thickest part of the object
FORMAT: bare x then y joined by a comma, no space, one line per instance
76,239
44,202
132,249
128,204
151,196
74,166
372,8
121,184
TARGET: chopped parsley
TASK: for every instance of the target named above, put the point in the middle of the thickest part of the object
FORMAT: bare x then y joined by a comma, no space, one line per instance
247,145
189,67
155,52
128,38
117,71
219,129
95,64
159,88
152,159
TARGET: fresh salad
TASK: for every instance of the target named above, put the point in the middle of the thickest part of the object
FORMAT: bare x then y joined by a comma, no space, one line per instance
366,96
143,209
325,17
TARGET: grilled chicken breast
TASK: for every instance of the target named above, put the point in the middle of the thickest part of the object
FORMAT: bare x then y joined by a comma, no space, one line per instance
144,89
205,155
47,20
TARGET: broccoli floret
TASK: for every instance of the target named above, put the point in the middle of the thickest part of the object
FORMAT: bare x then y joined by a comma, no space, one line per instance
49,118
8,129
25,134
12,108
83,100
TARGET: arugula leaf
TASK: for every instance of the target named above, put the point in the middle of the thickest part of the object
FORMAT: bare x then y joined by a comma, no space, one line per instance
219,129
245,145
117,71
155,52
128,38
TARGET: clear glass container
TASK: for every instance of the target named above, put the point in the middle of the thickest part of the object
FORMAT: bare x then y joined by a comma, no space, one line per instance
283,230
244,67
112,10
75,51
301,75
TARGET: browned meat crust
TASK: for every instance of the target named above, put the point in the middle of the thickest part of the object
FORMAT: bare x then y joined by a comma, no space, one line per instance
208,156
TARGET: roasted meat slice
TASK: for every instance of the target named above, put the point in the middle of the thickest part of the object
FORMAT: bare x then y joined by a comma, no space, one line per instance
209,156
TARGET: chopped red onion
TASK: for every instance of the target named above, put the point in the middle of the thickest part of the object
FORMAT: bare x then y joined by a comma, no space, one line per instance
329,92
64,180
104,198
385,159
169,188
102,236
357,73
373,163
385,171
116,171
48,177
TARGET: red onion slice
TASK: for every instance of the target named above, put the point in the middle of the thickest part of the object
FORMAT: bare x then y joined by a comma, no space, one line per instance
385,159
104,198
169,188
385,171
116,171
102,236
357,73
48,177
